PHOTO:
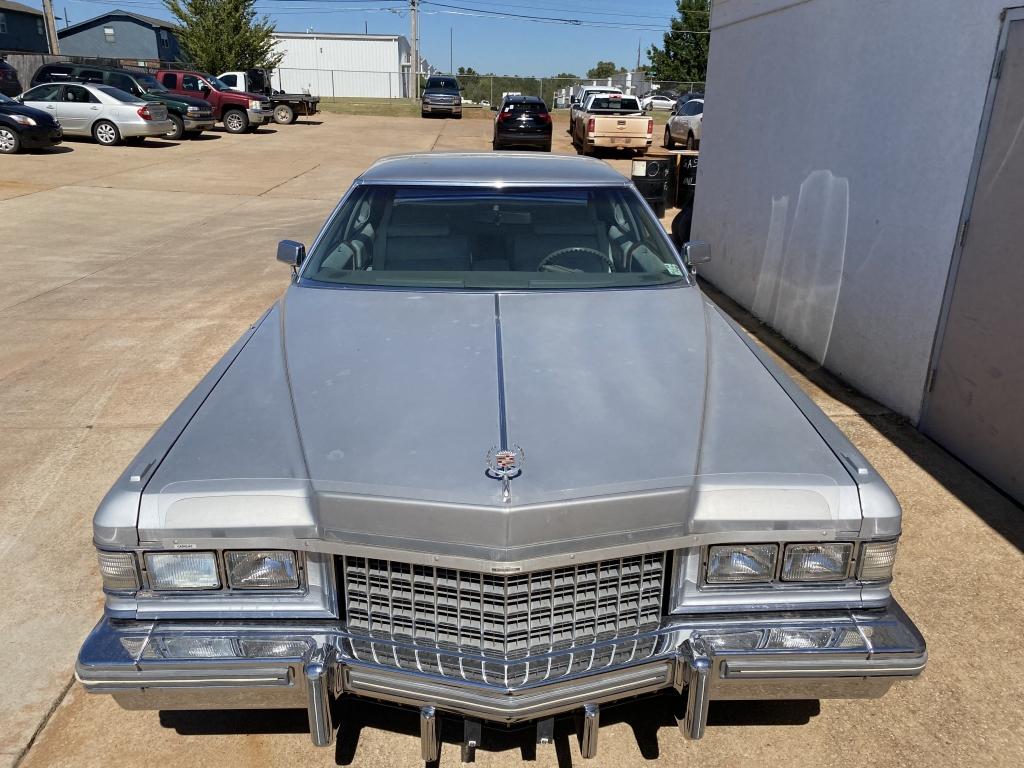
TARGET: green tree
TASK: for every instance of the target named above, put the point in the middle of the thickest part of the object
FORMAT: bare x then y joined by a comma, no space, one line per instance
684,57
602,70
219,35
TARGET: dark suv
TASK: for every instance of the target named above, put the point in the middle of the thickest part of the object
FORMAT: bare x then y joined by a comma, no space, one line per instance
9,85
190,116
441,96
522,121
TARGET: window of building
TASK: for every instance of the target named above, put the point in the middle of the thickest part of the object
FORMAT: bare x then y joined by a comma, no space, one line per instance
108,34
165,40
39,27
3,24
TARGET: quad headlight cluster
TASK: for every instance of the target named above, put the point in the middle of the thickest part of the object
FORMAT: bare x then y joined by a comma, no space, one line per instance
265,569
807,563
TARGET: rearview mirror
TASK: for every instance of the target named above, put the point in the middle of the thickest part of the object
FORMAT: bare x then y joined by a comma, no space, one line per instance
695,252
291,252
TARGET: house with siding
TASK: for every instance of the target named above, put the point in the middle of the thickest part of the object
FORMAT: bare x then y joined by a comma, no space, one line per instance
21,28
121,35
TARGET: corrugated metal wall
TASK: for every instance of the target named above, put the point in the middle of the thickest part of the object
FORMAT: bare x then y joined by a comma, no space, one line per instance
334,66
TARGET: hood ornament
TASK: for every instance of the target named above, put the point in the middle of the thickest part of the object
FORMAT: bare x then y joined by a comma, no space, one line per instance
504,464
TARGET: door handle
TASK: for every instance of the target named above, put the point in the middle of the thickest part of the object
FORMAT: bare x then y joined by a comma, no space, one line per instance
50,106
93,108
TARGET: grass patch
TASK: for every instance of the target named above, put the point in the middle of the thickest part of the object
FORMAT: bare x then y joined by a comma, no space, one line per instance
393,108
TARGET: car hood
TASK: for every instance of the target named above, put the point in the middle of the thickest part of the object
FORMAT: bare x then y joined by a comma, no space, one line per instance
366,417
39,115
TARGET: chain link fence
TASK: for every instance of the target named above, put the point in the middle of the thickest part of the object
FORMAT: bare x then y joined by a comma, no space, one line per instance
476,89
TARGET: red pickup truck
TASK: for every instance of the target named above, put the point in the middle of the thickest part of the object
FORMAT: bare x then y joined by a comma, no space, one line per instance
240,112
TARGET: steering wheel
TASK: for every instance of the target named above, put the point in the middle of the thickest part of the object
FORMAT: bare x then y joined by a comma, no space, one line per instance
547,265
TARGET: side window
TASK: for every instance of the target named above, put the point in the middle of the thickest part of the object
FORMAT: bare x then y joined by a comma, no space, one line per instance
78,94
170,80
43,93
189,83
123,82
231,80
91,75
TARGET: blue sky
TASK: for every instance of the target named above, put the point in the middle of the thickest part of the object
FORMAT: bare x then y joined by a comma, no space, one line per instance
608,29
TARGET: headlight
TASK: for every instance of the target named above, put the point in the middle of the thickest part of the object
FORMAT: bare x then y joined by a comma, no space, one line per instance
194,109
176,571
741,563
876,560
22,119
271,569
118,571
816,562
255,104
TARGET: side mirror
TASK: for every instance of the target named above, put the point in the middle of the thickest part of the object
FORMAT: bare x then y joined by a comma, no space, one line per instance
204,90
291,252
694,252
494,107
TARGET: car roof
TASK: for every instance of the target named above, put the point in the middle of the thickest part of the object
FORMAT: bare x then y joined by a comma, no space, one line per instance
525,99
493,169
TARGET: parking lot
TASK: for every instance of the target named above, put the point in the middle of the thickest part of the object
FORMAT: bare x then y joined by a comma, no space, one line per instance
128,272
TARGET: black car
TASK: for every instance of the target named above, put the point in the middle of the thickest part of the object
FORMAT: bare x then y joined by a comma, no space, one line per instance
9,83
24,127
522,121
441,95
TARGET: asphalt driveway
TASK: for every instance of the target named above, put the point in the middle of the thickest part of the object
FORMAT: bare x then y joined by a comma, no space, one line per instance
127,273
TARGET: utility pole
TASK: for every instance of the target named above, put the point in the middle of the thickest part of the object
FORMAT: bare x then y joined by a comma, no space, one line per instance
413,12
51,26
451,50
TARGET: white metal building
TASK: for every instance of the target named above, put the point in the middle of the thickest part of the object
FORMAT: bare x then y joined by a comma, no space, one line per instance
336,64
860,183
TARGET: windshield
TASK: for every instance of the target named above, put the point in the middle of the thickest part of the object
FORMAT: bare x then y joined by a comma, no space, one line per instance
150,83
442,84
450,237
117,93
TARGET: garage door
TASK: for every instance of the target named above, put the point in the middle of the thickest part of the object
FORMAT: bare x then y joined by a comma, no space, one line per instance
976,404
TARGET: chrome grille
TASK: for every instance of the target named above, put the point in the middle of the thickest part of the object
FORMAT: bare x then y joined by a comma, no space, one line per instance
478,616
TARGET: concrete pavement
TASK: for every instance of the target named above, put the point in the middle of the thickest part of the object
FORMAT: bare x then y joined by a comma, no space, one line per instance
129,271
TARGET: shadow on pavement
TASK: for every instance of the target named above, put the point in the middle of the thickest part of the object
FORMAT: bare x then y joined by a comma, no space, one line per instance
646,717
996,509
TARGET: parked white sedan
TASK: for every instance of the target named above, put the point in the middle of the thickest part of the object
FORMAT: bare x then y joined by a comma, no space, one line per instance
108,114
657,101
684,126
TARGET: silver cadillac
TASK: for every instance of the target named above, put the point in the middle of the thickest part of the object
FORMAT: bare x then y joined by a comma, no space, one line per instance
494,456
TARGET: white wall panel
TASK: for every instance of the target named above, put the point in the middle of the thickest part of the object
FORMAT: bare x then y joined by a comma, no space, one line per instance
342,65
837,143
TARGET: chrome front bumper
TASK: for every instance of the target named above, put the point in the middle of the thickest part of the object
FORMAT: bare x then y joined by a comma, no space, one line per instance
281,664
259,116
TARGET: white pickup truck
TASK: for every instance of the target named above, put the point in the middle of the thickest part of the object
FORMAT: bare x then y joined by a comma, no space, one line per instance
614,121
286,106
580,98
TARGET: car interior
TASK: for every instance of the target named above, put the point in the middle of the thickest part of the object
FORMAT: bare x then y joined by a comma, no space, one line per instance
564,232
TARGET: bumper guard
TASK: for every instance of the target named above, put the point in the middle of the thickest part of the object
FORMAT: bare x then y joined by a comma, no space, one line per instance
221,665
